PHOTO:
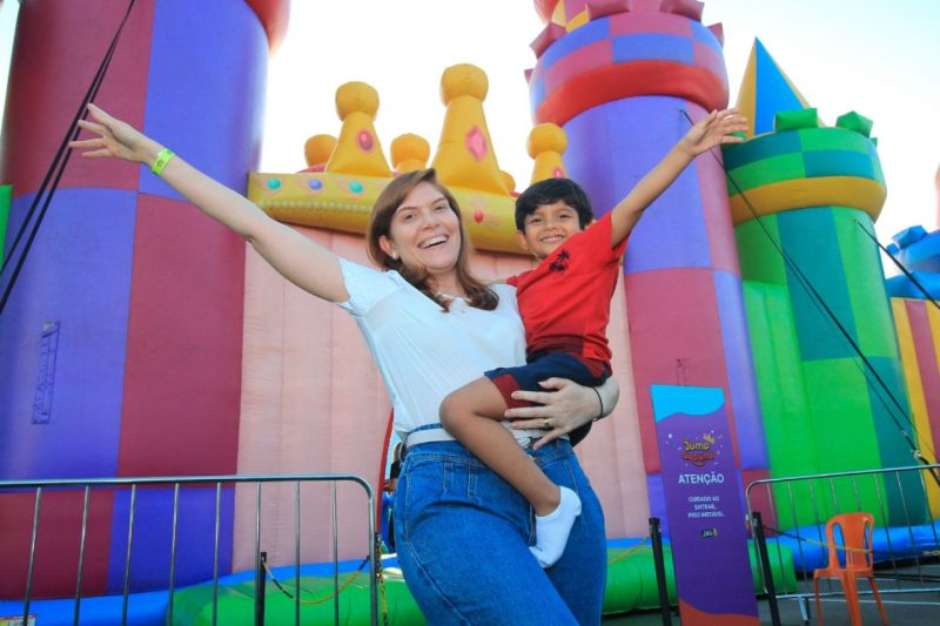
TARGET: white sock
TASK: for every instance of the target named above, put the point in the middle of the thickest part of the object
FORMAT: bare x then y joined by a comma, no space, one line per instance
552,530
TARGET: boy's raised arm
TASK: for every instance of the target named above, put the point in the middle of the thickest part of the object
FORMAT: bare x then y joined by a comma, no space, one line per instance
707,133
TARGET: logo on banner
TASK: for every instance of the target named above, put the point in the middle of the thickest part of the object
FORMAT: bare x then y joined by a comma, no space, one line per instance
700,451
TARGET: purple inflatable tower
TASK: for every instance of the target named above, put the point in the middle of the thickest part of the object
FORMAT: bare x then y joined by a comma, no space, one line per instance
120,348
620,76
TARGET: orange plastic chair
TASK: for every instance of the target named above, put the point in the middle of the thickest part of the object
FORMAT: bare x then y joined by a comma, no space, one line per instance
859,561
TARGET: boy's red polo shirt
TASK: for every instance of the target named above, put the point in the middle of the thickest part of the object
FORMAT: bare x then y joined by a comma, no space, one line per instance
565,300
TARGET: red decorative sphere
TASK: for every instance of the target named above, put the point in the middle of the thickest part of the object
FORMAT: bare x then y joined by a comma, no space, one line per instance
365,140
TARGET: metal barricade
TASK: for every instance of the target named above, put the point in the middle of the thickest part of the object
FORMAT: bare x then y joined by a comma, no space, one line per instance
907,535
88,485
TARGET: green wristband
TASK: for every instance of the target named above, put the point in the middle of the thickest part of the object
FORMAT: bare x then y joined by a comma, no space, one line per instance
163,157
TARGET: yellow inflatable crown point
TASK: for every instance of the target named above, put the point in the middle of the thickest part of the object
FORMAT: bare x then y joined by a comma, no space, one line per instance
508,180
546,137
318,149
463,80
358,150
356,97
465,155
410,152
546,144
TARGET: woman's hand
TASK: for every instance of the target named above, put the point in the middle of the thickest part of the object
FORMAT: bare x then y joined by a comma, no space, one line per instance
566,406
115,139
713,130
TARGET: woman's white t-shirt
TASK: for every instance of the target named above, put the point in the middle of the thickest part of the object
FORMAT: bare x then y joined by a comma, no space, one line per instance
423,352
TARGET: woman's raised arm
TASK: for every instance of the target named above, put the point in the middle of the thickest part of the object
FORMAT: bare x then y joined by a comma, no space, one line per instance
305,263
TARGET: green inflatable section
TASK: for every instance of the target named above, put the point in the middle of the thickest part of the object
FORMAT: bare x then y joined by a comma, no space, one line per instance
791,443
845,434
6,194
864,276
236,604
631,585
822,413
803,150
631,577
809,237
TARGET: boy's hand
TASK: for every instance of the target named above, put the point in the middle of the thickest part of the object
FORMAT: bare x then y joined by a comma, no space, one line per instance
712,131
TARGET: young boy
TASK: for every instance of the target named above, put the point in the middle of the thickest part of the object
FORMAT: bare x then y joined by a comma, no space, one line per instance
565,306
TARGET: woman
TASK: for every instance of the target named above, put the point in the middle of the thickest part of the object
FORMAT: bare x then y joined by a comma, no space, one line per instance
463,534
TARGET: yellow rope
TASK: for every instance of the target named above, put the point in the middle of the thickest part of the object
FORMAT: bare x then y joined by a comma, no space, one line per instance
343,587
379,573
325,598
384,598
628,552
817,543
238,592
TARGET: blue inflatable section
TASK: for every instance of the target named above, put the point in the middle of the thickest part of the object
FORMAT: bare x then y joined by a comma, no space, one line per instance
919,253
903,287
922,255
898,543
773,94
149,608
145,609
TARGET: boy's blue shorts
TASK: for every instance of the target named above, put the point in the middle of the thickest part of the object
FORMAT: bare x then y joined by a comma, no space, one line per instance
546,365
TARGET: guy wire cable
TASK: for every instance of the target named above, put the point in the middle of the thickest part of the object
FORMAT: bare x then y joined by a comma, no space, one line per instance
62,151
57,168
792,265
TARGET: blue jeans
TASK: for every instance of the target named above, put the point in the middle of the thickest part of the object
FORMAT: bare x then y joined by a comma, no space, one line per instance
463,537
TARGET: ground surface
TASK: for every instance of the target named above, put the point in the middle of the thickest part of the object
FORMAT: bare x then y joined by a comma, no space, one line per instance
904,609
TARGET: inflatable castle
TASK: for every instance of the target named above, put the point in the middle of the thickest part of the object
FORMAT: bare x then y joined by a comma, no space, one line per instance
143,339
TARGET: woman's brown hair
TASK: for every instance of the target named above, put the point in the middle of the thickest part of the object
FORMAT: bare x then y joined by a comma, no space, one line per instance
478,294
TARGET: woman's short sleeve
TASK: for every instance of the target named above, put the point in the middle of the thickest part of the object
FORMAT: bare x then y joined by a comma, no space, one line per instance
366,286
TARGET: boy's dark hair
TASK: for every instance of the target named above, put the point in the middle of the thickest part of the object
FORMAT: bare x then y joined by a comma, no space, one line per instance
549,191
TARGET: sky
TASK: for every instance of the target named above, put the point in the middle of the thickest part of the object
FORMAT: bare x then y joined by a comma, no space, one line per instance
880,58
8,11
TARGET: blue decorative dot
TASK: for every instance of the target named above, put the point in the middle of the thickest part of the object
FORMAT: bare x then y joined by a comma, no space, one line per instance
356,187
315,184
274,183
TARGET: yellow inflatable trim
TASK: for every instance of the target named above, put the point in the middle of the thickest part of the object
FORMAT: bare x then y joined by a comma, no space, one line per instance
848,191
343,202
915,386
